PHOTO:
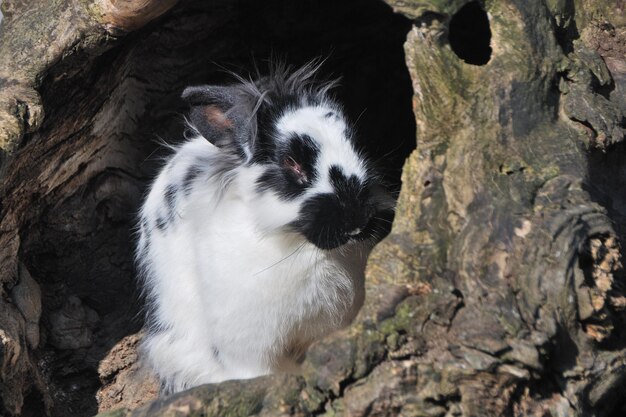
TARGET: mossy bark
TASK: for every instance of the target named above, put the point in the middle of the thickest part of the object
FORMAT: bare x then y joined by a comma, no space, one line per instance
500,290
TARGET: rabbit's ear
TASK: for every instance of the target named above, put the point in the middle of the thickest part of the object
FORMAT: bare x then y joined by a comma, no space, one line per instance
223,115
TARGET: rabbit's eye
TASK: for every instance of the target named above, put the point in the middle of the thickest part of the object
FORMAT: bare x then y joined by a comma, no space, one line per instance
297,170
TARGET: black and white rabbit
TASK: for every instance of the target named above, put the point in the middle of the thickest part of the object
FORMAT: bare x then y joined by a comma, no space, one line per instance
254,236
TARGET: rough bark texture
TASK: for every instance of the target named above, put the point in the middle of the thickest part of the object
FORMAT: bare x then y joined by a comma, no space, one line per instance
500,290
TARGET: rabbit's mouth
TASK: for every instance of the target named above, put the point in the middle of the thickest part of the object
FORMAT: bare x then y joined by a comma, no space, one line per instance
377,227
355,232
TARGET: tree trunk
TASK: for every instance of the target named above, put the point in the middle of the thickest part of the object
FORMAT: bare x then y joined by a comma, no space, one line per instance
500,290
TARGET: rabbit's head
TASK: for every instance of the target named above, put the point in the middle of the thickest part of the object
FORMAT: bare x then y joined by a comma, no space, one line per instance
293,143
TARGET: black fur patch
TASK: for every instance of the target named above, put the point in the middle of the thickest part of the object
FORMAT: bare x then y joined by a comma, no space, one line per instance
161,223
265,146
164,219
331,220
279,178
170,198
348,188
192,173
322,221
378,227
372,221
216,353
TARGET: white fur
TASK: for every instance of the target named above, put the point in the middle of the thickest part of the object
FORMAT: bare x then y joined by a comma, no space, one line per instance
233,295
330,134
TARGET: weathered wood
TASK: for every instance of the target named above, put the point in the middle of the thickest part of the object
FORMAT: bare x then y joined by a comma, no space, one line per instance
500,290
123,16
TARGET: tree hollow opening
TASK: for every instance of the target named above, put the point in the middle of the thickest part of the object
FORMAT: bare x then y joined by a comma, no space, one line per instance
470,35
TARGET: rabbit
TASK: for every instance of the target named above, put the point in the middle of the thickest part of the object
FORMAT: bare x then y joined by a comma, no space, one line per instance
253,239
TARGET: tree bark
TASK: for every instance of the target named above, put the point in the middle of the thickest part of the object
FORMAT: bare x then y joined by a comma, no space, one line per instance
500,290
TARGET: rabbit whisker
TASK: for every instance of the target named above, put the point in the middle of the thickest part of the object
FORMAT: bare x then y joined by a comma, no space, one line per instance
283,259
